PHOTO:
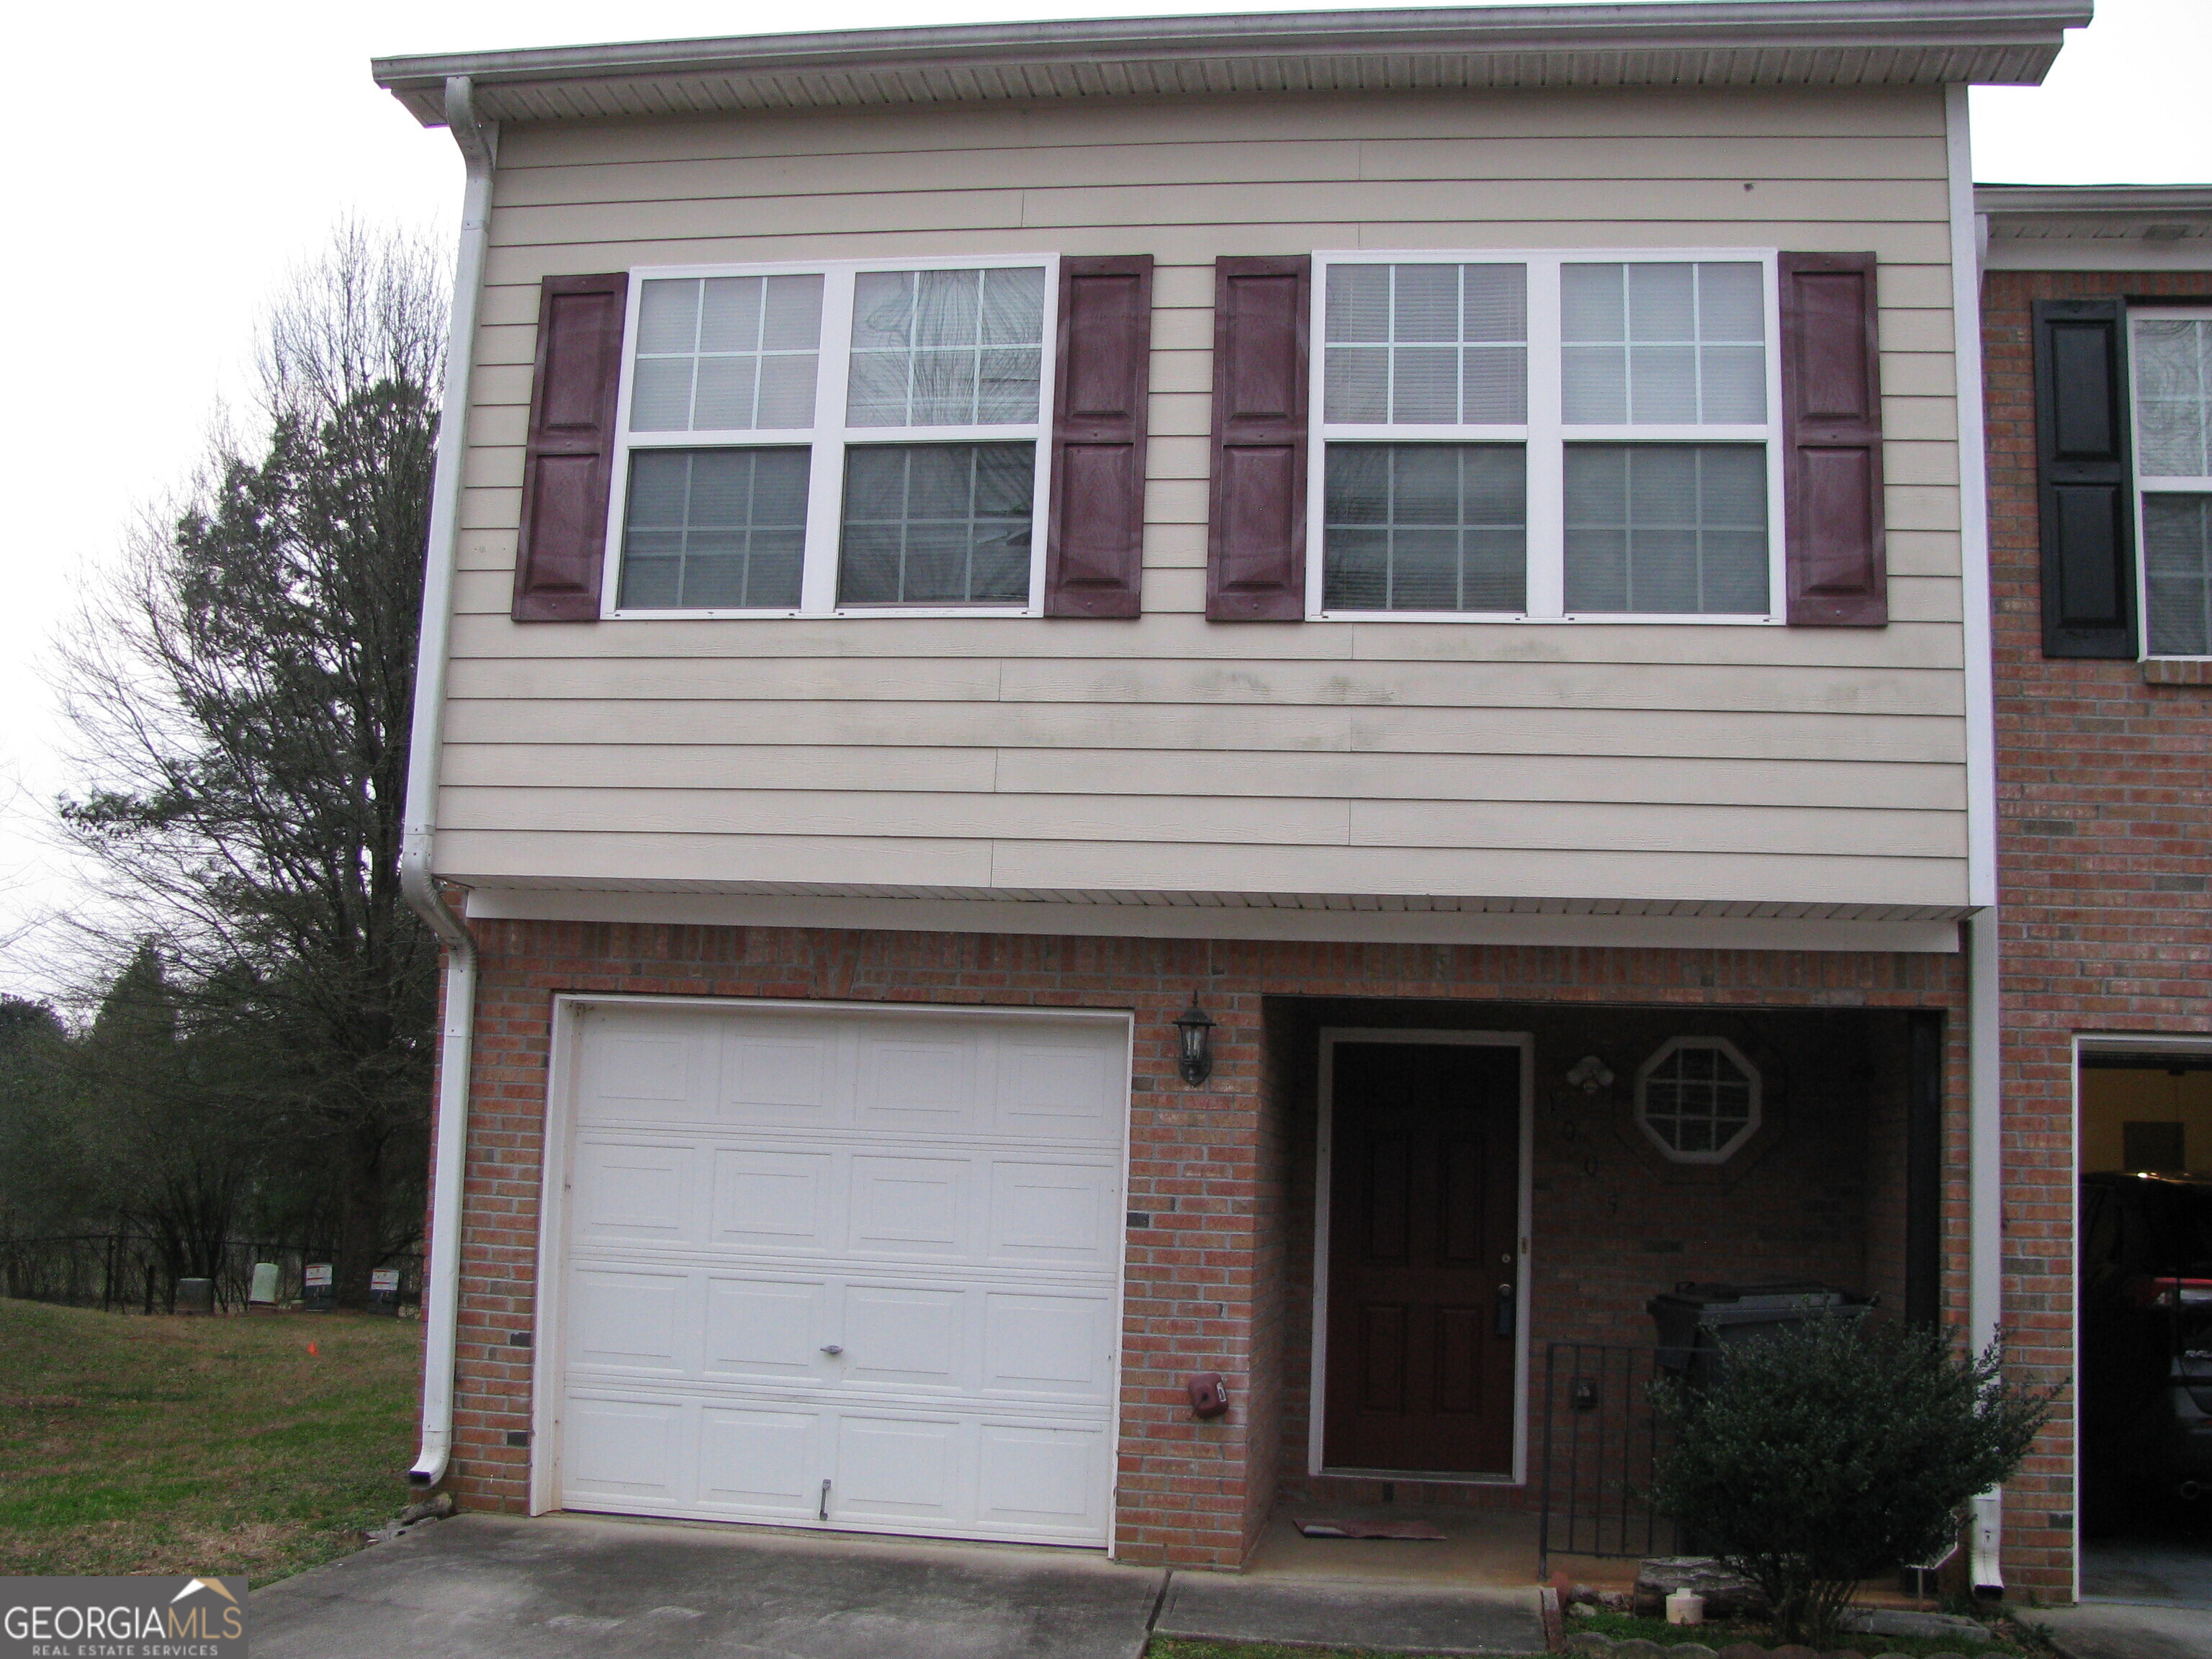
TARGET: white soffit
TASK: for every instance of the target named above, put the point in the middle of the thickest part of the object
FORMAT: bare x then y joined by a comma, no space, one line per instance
1713,42
2097,226
1336,919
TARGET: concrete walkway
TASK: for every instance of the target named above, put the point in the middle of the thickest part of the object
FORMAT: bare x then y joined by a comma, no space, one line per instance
2104,1629
568,1587
1308,1612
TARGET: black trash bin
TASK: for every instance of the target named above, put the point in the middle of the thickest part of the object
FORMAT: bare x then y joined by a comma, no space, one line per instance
1696,1321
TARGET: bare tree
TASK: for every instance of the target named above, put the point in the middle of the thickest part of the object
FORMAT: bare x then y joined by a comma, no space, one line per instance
242,692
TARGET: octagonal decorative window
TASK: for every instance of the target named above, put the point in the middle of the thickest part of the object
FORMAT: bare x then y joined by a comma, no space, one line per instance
1698,1099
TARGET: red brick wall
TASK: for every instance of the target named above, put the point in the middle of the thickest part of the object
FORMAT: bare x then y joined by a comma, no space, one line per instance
1213,1270
2103,788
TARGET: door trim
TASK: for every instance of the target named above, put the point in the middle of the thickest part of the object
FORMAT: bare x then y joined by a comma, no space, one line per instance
1525,1041
557,1145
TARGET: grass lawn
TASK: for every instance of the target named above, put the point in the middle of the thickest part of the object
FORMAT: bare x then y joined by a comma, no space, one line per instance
1169,1647
166,1445
2012,1640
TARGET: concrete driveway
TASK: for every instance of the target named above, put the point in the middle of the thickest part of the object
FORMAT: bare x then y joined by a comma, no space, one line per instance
560,1587
567,1587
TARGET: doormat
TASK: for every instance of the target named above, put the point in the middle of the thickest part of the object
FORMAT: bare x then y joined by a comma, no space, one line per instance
1420,1532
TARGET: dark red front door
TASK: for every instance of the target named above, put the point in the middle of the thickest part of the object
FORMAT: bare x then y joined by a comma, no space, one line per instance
1423,1181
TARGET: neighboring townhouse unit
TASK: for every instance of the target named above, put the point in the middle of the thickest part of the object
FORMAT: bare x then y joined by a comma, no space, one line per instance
2096,327
1300,699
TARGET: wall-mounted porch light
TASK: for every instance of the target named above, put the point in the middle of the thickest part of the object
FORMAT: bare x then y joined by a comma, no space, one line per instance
1194,1049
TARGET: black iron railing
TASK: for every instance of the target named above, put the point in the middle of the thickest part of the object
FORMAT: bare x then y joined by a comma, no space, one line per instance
1600,1450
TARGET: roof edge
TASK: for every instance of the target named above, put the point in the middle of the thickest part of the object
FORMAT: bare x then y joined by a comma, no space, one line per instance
2046,199
2026,35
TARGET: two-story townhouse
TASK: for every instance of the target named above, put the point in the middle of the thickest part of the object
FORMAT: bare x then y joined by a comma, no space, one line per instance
2097,315
1293,700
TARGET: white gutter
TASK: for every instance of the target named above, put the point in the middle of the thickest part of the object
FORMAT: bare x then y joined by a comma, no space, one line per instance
1984,1004
442,1279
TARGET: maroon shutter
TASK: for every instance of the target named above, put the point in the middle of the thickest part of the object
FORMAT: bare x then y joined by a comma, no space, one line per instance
1255,547
1095,539
569,463
1838,573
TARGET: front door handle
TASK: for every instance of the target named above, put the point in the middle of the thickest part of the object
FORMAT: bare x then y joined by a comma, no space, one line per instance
1504,1325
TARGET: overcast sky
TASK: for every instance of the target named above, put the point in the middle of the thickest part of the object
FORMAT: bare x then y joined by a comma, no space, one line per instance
174,162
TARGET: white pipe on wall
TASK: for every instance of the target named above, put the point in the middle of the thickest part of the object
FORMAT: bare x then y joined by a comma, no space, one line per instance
1984,1005
441,1282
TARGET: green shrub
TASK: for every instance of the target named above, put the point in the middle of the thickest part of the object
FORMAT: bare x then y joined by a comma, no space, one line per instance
1833,1451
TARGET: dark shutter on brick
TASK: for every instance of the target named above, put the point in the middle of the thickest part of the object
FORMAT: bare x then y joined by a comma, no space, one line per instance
568,463
1094,541
2084,495
1255,547
1837,569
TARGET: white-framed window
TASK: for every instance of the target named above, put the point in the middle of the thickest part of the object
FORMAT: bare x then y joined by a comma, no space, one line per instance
2171,372
1698,1099
847,438
1547,437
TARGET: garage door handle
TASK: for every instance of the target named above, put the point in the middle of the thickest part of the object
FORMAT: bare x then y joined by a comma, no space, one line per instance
822,1514
832,1349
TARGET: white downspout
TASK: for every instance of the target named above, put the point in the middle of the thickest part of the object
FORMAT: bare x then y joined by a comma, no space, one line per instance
1984,1004
441,1282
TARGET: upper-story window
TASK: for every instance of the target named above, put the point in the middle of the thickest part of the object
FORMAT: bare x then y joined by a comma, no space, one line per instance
1546,436
846,438
2173,381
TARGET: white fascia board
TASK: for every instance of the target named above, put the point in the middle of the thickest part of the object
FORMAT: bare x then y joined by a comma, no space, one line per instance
1715,42
1221,922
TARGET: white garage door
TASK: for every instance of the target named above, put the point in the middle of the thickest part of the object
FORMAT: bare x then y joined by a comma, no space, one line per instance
846,1269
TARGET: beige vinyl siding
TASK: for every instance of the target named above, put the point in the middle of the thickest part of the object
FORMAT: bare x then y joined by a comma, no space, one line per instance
1711,763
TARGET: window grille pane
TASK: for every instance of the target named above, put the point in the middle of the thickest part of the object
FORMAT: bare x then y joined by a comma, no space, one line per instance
1666,529
2173,397
714,528
1697,1100
936,523
727,354
946,348
1661,342
2177,573
1425,527
1426,345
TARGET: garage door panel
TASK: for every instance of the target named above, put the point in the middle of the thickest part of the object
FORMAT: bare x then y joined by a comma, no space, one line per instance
630,1191
641,1066
910,1206
782,1074
898,1468
938,1197
1049,1347
623,1449
773,1200
911,1084
1038,1479
760,1462
1057,1214
905,1336
765,1330
1054,1089
629,1321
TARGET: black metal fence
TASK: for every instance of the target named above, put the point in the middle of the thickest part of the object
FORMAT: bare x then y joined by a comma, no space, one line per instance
1600,1450
138,1273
